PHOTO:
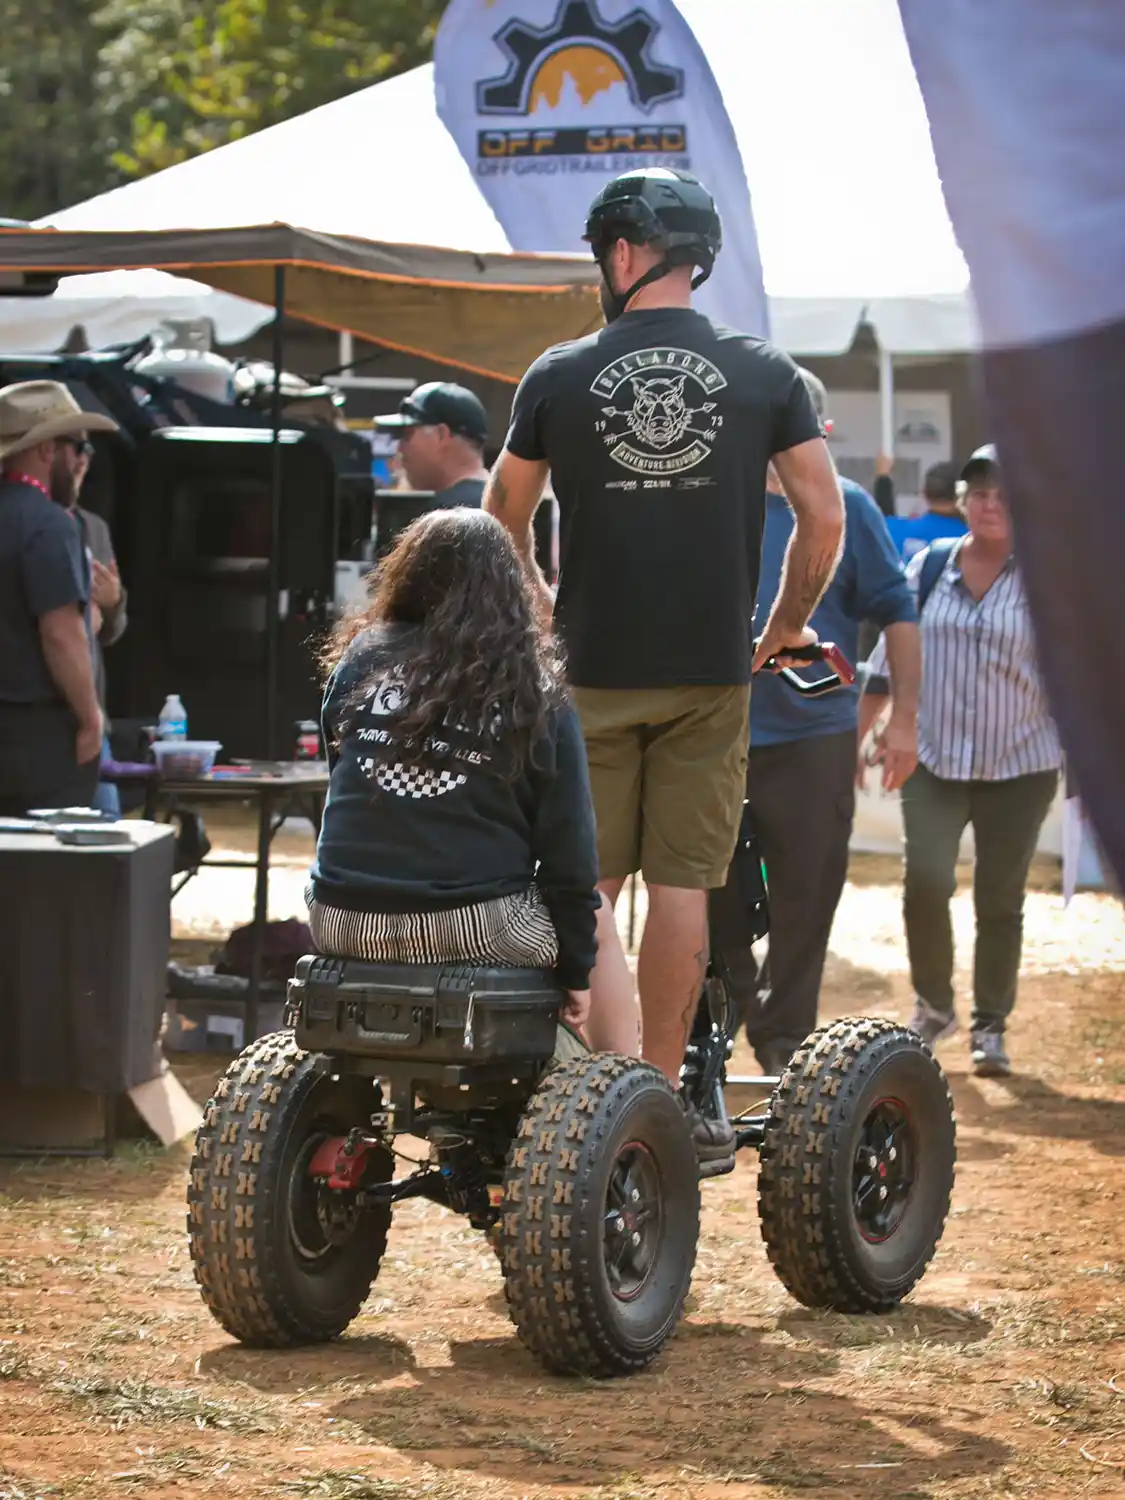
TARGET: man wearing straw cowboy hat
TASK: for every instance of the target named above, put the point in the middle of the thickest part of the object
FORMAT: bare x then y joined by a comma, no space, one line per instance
50,721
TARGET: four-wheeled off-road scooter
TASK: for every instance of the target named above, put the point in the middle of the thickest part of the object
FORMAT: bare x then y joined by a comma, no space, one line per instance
583,1173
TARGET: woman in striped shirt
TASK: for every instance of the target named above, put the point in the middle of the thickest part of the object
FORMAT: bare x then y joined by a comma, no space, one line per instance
988,754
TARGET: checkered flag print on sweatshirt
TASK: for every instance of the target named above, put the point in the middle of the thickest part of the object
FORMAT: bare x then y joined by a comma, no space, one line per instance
414,781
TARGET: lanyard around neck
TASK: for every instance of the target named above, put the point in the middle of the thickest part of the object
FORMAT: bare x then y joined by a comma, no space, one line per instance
14,476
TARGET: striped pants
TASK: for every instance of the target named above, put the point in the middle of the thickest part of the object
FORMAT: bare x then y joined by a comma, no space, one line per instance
509,932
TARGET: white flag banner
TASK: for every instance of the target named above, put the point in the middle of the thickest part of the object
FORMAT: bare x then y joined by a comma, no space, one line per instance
548,100
1026,104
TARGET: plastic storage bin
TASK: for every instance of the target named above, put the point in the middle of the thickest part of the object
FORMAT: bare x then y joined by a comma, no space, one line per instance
185,758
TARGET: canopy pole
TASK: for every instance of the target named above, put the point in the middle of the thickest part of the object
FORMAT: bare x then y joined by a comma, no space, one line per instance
886,403
273,593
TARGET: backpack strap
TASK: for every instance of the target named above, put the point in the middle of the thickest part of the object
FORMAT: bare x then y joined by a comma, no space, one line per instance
933,566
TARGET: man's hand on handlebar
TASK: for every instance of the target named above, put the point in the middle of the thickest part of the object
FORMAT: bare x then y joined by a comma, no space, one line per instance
773,643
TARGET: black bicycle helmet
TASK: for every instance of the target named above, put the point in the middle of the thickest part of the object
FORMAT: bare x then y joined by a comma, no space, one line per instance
662,207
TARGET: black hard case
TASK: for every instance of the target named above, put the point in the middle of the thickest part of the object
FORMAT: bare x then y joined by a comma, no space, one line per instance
427,1013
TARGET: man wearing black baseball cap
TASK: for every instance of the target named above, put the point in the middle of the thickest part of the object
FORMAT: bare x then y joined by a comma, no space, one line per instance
441,429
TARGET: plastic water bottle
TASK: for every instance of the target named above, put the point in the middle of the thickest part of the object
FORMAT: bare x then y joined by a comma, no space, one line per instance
173,719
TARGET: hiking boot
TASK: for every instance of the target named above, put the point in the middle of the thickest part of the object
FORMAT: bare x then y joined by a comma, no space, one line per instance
989,1057
713,1141
931,1024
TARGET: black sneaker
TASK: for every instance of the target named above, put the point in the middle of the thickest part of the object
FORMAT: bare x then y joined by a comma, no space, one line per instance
931,1024
990,1060
714,1143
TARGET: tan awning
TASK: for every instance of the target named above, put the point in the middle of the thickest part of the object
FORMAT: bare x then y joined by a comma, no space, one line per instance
490,314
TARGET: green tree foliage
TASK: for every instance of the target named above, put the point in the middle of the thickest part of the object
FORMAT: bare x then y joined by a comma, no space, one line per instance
54,148
187,75
93,92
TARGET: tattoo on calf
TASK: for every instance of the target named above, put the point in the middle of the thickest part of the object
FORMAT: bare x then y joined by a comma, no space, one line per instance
697,990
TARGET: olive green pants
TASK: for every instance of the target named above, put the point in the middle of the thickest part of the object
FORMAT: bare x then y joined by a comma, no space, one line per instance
1006,818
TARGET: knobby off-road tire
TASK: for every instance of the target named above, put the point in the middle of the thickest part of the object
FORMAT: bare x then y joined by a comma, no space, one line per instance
600,1217
281,1259
857,1166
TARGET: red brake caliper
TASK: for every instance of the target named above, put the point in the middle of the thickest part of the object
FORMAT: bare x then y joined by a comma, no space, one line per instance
343,1161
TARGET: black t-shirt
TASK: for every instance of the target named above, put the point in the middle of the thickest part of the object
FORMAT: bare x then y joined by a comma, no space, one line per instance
658,430
43,567
467,492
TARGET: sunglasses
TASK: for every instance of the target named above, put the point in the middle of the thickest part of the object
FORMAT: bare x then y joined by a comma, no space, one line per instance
82,446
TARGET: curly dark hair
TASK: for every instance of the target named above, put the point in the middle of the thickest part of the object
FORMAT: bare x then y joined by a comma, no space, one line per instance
478,660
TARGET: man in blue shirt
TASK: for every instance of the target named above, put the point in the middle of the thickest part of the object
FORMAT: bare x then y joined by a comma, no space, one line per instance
801,777
940,518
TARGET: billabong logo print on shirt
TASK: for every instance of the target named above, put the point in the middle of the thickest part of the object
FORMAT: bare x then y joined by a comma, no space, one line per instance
660,416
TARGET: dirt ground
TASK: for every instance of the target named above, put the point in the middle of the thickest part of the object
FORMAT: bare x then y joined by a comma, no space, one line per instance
1003,1375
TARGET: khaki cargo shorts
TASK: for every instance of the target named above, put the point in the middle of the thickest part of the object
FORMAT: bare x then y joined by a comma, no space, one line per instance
668,772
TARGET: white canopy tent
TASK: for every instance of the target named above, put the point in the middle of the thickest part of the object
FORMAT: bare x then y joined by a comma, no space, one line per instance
850,216
116,307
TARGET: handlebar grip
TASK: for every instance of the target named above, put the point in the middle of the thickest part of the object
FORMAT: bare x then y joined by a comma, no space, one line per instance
811,654
819,651
833,657
842,673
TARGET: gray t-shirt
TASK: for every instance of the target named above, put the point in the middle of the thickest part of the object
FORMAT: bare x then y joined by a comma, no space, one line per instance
43,567
467,492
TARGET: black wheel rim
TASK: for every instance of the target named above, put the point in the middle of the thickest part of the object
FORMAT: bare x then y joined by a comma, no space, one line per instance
886,1160
320,1219
634,1220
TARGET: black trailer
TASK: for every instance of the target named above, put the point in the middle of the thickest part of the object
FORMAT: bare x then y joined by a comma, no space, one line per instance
186,488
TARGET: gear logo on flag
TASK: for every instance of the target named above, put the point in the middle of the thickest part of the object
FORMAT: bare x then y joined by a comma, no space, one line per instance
549,99
580,45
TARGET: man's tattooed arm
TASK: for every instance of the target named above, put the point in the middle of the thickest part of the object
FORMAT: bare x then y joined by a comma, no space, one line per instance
813,492
805,575
512,494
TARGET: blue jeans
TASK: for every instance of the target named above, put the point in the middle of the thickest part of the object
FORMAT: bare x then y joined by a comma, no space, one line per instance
106,798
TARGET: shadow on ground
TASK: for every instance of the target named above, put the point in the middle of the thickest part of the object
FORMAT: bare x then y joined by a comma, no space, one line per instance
1032,1107
726,1403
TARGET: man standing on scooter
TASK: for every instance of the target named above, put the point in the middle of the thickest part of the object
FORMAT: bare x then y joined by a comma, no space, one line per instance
657,432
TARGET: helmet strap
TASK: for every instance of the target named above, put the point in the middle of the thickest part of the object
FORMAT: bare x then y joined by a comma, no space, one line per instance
617,302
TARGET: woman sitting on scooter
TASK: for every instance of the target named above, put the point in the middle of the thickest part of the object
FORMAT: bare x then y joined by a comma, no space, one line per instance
458,825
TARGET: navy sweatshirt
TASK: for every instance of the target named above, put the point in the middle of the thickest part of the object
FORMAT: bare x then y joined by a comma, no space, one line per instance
399,837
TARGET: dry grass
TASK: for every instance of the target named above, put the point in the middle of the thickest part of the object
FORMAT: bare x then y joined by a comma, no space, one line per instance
996,1379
